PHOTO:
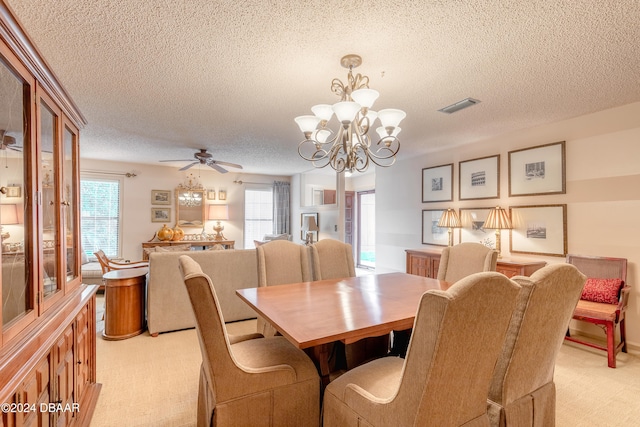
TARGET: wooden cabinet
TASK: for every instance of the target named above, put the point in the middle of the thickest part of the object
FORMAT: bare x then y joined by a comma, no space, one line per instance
47,340
425,262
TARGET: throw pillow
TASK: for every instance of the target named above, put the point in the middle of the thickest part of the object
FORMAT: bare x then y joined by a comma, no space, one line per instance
602,290
258,242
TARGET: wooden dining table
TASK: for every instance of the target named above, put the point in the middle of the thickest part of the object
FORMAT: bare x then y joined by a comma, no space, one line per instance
313,315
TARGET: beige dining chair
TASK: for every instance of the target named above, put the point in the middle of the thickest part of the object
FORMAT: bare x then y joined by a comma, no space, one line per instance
281,262
464,259
333,259
247,380
522,391
445,378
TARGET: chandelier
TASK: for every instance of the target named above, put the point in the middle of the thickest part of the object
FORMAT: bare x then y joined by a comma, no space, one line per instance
350,148
190,192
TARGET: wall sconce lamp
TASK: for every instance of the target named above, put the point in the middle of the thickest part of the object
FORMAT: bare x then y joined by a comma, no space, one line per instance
498,219
218,213
309,226
450,220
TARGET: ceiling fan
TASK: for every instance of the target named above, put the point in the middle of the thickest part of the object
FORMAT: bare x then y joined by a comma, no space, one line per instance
8,142
204,158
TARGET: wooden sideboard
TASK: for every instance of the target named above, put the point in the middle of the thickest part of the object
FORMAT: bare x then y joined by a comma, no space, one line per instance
193,244
425,262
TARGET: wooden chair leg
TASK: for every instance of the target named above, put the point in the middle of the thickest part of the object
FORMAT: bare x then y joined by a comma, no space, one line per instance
611,344
623,335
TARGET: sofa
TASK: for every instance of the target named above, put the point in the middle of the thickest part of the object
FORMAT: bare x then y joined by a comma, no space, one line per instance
168,305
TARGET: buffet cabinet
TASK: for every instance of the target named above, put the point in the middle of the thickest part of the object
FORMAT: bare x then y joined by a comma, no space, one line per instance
48,338
425,262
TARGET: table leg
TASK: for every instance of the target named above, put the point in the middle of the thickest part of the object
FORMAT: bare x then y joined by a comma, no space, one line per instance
320,356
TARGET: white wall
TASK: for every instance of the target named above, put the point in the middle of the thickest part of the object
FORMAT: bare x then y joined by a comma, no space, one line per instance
602,197
137,225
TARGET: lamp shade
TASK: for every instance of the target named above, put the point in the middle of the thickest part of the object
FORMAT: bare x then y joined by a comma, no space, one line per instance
218,212
346,111
391,117
307,123
498,219
365,97
323,111
449,219
309,224
8,214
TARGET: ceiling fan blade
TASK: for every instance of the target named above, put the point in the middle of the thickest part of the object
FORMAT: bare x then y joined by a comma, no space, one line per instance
232,165
216,167
181,160
188,166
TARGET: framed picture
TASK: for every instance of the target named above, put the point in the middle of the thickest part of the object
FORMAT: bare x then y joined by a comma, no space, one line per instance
472,220
479,178
160,197
303,233
431,233
13,191
211,195
540,230
537,170
437,184
222,195
160,214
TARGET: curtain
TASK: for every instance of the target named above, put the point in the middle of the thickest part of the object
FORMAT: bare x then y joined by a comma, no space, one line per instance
281,207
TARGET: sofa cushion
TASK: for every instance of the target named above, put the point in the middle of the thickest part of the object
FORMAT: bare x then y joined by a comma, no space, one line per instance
602,290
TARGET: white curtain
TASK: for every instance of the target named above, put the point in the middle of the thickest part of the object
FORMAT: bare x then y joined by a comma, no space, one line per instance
281,207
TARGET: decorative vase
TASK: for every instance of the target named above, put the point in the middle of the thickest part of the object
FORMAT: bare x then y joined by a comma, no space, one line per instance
165,233
178,233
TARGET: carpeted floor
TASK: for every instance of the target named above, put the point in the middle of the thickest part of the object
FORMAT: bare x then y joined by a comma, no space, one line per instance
154,382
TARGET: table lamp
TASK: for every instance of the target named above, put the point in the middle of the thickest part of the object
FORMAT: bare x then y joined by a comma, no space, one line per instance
309,225
450,220
8,216
218,213
498,219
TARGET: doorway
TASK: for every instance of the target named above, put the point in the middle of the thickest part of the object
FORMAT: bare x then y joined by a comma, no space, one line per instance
366,238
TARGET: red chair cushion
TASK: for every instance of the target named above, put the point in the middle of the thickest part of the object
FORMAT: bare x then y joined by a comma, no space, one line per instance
602,290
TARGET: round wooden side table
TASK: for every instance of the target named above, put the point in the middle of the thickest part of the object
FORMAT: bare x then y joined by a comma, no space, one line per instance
124,298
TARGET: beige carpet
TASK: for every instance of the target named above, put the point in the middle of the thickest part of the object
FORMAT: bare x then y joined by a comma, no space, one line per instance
154,382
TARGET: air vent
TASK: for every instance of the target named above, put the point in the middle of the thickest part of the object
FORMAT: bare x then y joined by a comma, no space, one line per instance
468,102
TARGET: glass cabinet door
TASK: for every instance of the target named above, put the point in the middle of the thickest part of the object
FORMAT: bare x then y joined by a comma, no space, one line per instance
70,202
16,233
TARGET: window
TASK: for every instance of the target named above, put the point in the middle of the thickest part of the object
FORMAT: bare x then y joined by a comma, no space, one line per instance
100,201
258,214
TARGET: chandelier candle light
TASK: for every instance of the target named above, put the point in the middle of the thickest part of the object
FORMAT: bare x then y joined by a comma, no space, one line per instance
498,220
350,148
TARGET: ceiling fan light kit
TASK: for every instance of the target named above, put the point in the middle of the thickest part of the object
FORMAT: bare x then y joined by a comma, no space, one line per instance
350,147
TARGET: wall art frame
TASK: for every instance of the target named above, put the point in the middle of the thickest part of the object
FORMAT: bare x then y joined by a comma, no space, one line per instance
160,197
538,170
479,178
211,194
539,229
472,230
161,215
437,183
13,191
431,233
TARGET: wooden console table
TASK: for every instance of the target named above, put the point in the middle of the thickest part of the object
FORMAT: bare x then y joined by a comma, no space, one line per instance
124,297
425,262
201,244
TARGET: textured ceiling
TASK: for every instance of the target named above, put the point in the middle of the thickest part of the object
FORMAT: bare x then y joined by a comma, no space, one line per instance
158,79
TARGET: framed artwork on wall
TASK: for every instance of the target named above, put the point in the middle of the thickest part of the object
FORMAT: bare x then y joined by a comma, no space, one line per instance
537,170
211,194
540,230
472,220
160,214
431,233
160,197
479,178
437,184
13,191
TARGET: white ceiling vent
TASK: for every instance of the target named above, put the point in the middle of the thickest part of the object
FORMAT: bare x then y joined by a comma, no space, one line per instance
468,102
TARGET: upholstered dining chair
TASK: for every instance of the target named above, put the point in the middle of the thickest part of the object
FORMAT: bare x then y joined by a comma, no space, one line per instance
445,378
247,380
281,262
107,264
333,259
522,391
461,260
